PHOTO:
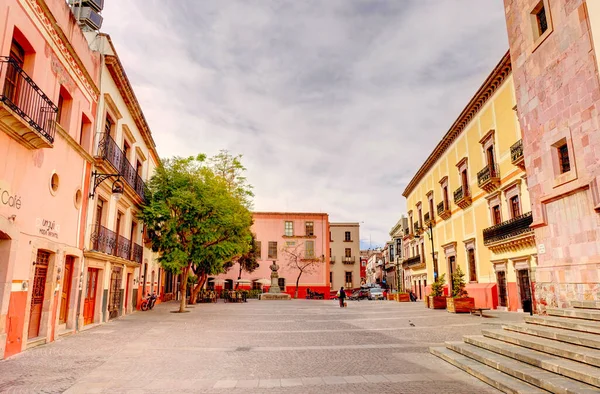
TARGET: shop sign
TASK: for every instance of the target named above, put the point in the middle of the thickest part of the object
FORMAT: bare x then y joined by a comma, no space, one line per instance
7,198
48,228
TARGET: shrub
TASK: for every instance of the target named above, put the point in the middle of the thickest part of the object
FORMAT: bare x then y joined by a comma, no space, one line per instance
458,284
437,288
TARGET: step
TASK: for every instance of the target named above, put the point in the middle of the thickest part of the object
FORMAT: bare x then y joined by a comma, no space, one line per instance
565,322
558,334
530,374
566,350
586,304
572,369
489,375
586,314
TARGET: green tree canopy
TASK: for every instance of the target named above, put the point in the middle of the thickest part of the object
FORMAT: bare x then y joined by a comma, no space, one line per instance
193,218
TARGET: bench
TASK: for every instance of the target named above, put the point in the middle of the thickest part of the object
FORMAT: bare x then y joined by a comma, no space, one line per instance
480,310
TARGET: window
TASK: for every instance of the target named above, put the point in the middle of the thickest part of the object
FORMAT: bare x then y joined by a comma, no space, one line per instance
347,236
465,182
330,239
258,250
348,252
330,279
445,192
310,228
108,126
542,21
272,250
85,132
309,249
64,108
289,229
281,283
496,215
515,207
563,158
431,211
420,214
489,155
348,278
472,269
11,87
290,244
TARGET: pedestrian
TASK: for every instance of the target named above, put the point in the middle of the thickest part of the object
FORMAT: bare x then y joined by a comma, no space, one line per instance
342,297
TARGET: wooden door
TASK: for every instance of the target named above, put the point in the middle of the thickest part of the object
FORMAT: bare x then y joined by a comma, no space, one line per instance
115,293
37,293
524,289
66,290
501,280
89,303
13,78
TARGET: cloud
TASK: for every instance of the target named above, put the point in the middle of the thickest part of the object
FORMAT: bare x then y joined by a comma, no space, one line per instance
334,104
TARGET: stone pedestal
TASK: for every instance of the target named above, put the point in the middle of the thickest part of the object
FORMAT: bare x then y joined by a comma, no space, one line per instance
275,296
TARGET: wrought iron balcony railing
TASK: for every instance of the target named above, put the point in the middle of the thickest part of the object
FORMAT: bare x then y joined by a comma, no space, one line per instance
508,229
107,241
462,197
332,260
110,151
123,248
412,261
516,153
349,260
30,103
426,217
440,208
137,253
489,174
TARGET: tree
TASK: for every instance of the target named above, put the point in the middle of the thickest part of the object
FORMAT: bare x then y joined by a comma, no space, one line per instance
297,259
248,262
437,288
193,220
458,283
230,168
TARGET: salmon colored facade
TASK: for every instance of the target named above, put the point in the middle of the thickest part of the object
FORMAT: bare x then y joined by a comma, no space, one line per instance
472,191
306,233
48,103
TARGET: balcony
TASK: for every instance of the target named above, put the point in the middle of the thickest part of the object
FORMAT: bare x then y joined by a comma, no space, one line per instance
413,262
462,197
516,154
417,228
489,178
110,152
332,260
26,113
109,242
443,211
348,259
511,235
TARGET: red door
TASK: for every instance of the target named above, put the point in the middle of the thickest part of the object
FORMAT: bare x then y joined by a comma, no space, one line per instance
89,304
37,293
66,290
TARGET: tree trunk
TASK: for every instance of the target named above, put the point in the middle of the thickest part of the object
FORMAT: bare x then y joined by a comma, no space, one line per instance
183,287
237,285
194,295
297,283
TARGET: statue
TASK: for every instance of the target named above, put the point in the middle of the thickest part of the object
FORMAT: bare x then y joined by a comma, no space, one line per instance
274,278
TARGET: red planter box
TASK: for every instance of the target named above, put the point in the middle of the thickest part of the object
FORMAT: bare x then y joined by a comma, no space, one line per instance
437,302
460,305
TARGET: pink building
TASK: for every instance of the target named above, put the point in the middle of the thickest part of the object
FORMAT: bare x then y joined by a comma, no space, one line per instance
48,100
555,46
281,234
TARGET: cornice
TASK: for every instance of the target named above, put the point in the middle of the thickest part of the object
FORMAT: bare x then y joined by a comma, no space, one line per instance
487,89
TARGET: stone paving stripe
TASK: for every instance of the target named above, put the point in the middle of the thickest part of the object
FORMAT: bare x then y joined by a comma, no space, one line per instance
291,382
312,381
334,380
375,378
266,383
355,379
247,383
225,384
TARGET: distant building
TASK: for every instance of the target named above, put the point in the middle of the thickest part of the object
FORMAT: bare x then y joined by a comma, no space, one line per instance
400,275
344,268
278,233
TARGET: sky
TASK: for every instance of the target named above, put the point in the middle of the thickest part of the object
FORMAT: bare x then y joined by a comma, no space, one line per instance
334,104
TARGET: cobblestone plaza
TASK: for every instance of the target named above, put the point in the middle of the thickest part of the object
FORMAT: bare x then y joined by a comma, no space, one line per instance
294,347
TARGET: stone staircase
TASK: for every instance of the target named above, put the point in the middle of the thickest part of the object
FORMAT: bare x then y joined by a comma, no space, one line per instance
557,353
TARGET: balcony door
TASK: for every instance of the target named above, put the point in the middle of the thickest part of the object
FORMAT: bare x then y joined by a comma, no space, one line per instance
491,160
12,84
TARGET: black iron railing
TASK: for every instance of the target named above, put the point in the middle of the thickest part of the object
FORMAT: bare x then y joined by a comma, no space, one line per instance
460,194
516,151
123,248
25,98
110,151
416,227
137,253
349,260
426,217
487,173
415,260
104,240
440,208
508,229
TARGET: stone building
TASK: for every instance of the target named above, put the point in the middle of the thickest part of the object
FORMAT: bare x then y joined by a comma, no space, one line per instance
470,196
555,44
401,274
48,100
344,266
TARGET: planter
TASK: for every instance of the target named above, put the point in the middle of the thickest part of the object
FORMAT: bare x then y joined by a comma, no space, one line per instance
403,297
437,302
426,299
391,297
460,305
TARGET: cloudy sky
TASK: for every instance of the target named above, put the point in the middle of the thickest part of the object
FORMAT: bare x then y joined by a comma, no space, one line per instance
334,104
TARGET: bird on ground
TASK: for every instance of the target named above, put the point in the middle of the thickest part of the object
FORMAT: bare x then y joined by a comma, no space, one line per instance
411,323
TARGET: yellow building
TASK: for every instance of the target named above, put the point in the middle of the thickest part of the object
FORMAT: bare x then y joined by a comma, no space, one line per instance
471,196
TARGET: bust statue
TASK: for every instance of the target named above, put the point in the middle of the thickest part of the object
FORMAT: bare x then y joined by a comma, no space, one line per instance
274,267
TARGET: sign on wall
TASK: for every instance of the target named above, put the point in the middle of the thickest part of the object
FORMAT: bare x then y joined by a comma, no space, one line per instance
48,228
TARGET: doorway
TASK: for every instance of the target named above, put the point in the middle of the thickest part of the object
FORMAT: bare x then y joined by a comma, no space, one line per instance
37,293
116,293
89,304
501,280
66,290
524,289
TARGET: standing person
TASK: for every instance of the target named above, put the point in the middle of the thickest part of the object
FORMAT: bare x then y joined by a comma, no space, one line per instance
342,297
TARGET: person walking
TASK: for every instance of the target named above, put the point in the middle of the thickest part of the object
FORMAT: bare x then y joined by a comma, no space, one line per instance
342,297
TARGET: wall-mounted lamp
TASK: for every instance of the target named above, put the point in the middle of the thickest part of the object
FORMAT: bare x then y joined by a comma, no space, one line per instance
117,187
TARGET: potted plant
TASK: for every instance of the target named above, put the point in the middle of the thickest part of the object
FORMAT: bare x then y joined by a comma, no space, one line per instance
436,298
460,302
403,297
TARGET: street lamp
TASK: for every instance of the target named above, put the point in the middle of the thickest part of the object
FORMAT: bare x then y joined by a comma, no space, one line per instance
429,231
117,187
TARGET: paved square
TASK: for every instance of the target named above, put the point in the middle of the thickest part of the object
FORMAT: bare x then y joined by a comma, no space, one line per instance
299,346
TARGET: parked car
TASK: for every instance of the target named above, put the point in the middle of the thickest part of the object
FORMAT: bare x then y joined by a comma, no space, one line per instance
376,293
361,294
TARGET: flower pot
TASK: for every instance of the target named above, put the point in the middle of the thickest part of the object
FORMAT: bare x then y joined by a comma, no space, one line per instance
426,299
460,305
437,302
403,297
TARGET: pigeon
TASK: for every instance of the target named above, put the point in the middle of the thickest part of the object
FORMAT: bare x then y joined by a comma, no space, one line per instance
411,323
